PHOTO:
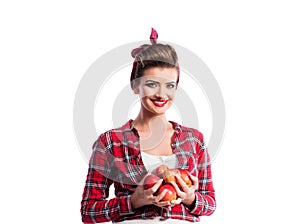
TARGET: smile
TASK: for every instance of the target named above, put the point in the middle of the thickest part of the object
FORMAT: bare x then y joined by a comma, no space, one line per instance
159,103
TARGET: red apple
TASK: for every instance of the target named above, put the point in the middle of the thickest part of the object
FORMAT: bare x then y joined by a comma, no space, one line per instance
171,192
150,181
184,174
175,171
160,170
169,175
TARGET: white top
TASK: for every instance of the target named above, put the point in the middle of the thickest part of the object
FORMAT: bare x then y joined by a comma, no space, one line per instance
152,161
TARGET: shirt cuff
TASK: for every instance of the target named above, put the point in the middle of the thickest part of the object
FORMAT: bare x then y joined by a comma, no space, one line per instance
195,208
125,205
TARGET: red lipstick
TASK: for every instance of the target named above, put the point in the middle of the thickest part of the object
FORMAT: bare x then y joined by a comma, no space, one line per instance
159,103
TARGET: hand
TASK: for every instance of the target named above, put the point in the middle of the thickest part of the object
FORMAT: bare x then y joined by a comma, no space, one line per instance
166,204
142,197
187,194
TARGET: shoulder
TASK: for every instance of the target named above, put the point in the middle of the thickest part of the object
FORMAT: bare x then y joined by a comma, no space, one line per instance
188,131
114,135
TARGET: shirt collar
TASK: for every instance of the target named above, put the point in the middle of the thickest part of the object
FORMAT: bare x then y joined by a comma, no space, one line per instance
128,126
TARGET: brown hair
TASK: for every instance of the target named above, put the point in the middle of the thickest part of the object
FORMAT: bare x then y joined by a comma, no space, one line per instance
155,55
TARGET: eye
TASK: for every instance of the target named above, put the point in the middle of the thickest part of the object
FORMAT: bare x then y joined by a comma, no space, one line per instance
170,86
151,84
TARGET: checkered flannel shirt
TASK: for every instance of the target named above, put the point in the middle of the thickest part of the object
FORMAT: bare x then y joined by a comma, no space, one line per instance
116,159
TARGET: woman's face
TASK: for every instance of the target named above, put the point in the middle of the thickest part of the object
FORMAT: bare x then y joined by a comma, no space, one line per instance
157,89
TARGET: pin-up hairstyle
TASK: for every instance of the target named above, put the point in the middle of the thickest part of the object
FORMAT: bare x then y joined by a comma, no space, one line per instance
153,55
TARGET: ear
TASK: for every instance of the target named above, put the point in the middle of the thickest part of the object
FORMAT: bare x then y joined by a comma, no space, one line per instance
135,88
136,91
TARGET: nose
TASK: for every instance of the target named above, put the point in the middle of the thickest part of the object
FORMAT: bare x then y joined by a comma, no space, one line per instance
161,92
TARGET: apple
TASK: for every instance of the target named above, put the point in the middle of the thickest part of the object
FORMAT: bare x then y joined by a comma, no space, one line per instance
169,175
160,170
171,192
184,174
150,181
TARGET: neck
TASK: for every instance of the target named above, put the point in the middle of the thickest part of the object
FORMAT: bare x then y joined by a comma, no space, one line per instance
146,122
152,130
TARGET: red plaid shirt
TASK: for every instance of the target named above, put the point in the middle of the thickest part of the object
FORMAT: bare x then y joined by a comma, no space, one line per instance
117,160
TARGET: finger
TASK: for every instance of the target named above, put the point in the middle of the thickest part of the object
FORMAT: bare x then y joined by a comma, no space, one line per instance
153,189
175,202
179,192
177,189
163,203
182,184
157,185
195,180
168,206
159,197
141,183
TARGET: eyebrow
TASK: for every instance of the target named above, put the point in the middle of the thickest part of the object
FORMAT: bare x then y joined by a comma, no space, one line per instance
158,82
151,81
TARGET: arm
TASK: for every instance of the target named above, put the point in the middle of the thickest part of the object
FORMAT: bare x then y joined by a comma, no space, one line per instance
94,205
204,203
199,198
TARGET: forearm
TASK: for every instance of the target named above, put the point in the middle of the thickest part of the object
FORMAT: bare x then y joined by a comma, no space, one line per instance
97,211
204,204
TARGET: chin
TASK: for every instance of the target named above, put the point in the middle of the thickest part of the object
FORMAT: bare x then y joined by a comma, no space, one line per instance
160,111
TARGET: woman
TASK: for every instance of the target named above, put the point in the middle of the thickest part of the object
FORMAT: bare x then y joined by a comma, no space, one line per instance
125,156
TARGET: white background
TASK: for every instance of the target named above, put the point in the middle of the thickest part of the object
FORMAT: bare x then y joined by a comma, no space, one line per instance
252,48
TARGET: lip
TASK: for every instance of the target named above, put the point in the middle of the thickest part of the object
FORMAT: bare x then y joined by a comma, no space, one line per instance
159,103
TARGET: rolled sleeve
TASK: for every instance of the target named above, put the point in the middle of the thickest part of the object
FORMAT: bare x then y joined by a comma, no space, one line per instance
204,205
125,205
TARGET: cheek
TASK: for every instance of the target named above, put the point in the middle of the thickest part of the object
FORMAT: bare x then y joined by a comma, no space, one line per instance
146,92
171,94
